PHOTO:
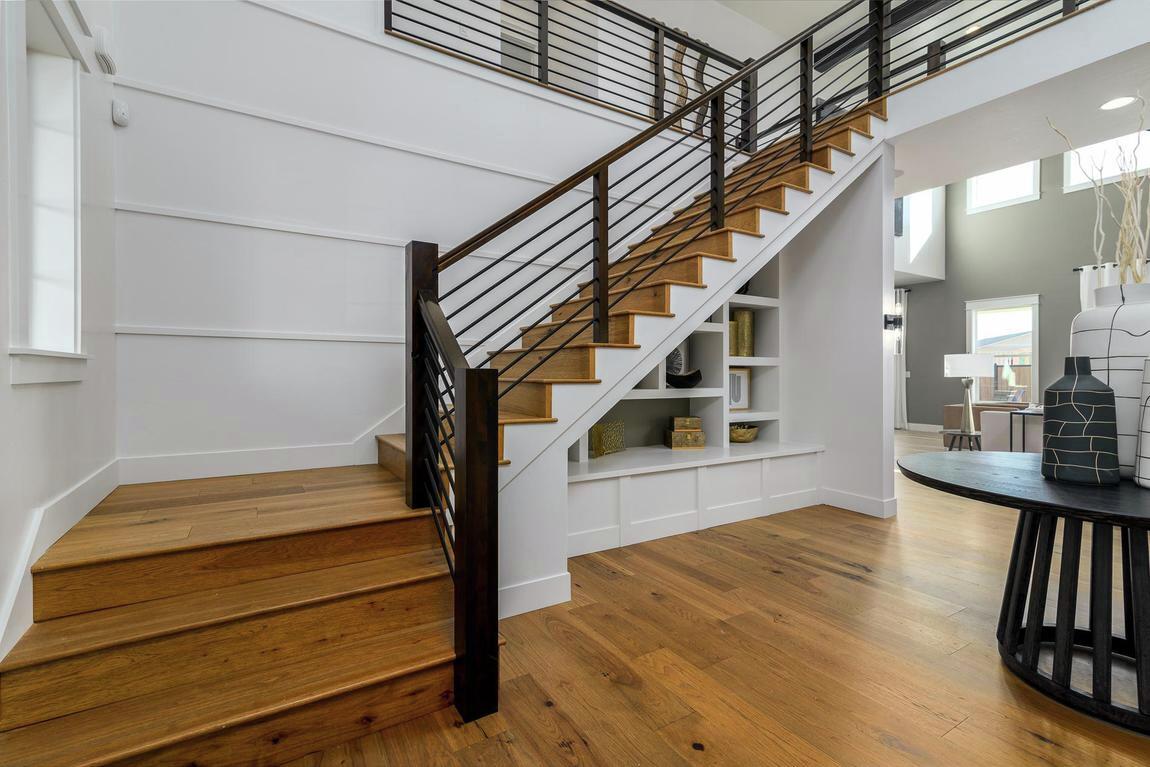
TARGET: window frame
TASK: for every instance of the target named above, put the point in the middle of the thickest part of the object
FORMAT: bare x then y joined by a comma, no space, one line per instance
1068,166
21,267
1035,195
1034,302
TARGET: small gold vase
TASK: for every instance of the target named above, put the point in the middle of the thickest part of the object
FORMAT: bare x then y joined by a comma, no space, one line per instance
744,332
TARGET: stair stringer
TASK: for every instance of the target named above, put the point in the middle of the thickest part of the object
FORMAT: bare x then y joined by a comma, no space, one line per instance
533,487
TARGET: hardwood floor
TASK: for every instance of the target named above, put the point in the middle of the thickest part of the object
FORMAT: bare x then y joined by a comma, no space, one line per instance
814,637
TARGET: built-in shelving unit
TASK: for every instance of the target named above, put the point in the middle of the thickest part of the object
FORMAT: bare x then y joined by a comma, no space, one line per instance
648,490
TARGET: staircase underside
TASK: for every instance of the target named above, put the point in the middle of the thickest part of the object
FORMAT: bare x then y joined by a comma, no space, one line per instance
235,620
681,267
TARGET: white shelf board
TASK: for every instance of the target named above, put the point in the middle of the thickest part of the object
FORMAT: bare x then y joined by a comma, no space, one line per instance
744,416
673,393
709,327
751,362
761,302
655,458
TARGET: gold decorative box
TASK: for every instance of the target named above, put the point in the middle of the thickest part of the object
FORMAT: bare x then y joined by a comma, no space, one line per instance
684,439
686,423
606,437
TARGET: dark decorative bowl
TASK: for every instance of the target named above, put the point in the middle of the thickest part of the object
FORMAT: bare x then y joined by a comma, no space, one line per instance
688,380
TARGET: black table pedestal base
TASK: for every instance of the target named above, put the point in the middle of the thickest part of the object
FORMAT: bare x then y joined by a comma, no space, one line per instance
1024,632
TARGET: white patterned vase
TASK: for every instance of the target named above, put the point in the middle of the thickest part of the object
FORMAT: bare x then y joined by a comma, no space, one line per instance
1142,457
1115,335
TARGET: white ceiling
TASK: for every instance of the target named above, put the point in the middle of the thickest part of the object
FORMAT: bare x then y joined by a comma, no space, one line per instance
1013,129
784,17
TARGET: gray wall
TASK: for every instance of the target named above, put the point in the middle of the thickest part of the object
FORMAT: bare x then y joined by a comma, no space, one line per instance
1017,250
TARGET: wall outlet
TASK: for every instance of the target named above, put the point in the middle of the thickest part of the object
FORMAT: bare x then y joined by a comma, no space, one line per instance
121,115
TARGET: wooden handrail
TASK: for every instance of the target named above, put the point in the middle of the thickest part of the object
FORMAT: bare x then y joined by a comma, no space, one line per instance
578,177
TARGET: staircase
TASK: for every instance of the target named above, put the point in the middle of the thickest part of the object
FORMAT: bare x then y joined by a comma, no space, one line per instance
255,619
240,620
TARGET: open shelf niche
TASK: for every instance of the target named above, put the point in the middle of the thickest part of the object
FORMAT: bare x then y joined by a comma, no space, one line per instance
650,491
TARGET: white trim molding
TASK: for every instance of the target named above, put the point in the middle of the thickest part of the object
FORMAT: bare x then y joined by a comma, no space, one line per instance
38,366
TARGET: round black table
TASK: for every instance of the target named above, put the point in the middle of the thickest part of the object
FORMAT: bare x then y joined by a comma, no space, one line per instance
1024,632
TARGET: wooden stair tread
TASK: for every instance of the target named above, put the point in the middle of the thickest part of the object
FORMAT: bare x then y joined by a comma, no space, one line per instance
612,313
511,419
620,291
547,380
264,510
87,632
399,442
103,735
709,232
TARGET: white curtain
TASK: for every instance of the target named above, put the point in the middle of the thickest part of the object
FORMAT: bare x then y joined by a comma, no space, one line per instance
901,298
1095,276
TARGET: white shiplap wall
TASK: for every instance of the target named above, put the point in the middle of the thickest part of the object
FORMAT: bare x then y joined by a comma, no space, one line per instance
278,158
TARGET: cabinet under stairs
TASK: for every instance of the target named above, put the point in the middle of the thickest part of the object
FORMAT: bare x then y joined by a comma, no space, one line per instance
238,620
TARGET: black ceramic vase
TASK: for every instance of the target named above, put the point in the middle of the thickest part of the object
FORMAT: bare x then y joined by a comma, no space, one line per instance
1079,430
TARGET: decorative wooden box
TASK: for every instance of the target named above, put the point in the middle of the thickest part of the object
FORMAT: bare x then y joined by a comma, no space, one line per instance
684,439
686,423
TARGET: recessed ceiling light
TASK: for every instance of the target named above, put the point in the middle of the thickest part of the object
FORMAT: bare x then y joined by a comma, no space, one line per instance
1118,103
973,28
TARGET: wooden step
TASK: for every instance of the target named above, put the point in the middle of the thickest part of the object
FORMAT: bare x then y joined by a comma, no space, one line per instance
770,196
699,237
697,220
153,541
528,399
654,297
799,175
391,454
264,717
687,269
718,241
621,327
202,637
575,361
397,447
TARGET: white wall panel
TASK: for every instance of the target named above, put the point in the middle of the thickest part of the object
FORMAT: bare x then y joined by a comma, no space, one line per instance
192,274
187,395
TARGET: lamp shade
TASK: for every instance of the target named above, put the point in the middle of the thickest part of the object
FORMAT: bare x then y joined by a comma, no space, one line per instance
968,365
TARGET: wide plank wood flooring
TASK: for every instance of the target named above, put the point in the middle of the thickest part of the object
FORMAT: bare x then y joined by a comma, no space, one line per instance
814,637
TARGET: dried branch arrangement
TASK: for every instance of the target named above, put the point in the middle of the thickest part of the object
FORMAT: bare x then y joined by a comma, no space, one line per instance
1134,222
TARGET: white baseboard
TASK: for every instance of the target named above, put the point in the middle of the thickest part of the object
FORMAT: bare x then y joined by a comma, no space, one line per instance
926,427
791,501
534,595
863,504
590,541
224,463
49,522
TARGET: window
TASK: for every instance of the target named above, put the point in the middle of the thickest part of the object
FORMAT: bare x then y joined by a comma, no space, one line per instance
1000,188
48,283
1008,329
1106,157
919,212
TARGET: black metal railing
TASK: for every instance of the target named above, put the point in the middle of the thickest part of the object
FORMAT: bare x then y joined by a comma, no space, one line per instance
452,463
595,49
557,270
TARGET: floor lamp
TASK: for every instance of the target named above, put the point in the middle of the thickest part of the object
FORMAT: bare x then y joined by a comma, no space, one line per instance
967,367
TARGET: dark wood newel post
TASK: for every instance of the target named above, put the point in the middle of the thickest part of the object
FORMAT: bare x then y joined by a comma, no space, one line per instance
476,542
877,74
806,99
935,58
749,110
601,266
718,162
422,275
387,15
543,55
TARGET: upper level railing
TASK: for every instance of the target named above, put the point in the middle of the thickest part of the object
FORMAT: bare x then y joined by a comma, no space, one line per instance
595,49
570,245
